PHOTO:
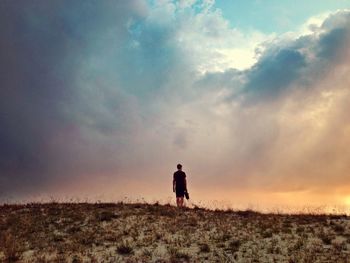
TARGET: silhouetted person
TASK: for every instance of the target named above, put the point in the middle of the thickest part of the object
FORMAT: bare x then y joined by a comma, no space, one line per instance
179,185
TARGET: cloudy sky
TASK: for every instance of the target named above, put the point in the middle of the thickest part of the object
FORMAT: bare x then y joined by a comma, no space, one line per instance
101,100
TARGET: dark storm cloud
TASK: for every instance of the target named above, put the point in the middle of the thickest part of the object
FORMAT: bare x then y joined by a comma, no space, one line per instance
41,45
273,73
331,42
30,91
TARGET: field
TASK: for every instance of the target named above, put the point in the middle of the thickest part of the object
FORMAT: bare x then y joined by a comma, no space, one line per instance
119,232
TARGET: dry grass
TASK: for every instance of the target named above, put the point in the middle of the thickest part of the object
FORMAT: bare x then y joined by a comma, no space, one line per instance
117,232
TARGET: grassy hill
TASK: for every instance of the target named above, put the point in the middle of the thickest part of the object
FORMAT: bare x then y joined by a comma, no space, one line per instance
117,232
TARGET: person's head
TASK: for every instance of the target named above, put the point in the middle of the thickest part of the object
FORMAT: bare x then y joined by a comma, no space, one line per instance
179,166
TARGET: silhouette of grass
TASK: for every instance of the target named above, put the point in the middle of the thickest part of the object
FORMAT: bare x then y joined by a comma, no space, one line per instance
124,249
204,247
11,248
178,256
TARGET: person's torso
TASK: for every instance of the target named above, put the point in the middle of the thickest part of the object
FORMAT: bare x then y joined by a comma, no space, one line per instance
179,177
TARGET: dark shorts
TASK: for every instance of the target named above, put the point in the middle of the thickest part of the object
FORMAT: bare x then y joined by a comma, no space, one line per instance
180,192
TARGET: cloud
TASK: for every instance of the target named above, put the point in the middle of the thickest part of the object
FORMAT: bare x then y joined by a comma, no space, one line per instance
121,91
287,106
274,73
41,46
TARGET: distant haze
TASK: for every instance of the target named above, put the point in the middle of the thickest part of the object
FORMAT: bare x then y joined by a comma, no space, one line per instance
101,99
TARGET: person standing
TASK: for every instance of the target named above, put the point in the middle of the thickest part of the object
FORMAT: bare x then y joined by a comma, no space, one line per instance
179,185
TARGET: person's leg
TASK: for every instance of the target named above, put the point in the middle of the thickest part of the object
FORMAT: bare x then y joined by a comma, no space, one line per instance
181,201
178,201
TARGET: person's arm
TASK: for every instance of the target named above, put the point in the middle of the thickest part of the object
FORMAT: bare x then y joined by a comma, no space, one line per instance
174,183
185,183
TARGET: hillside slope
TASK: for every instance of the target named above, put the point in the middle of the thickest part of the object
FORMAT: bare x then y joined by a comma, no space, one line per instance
108,232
